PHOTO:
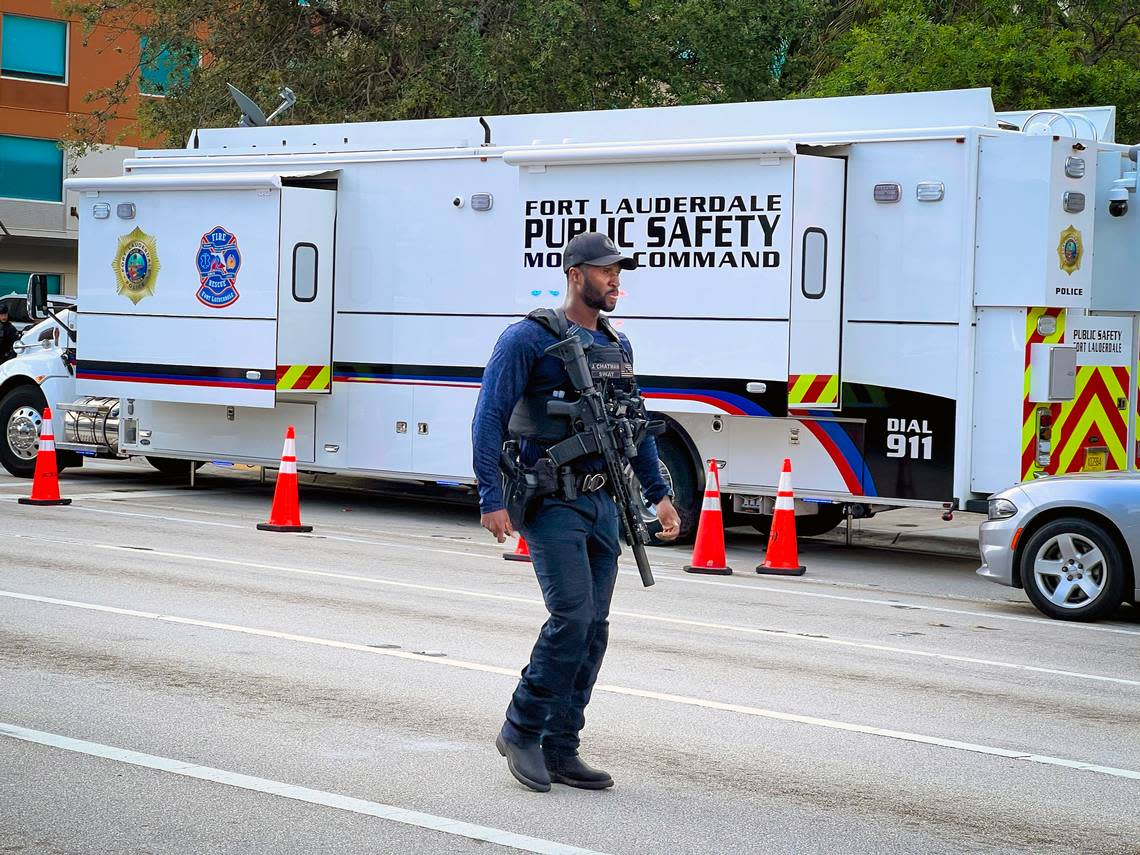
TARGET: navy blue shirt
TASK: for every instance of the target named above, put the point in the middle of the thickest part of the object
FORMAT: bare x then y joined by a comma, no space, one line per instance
518,364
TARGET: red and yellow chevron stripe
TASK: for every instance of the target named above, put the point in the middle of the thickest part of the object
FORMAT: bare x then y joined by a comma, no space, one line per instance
1090,421
813,390
303,378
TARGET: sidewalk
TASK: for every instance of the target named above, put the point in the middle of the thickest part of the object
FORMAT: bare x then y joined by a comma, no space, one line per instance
915,528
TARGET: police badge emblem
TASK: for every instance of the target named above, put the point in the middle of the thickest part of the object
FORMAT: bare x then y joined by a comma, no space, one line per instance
1070,249
136,265
219,261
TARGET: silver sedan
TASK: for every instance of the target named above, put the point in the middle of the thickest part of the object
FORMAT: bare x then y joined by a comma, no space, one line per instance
1072,542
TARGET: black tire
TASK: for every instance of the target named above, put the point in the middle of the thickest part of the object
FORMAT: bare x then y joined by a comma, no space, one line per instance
1084,586
682,475
810,525
19,429
173,466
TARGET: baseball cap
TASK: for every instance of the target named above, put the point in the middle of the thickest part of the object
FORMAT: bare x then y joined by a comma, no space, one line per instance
597,249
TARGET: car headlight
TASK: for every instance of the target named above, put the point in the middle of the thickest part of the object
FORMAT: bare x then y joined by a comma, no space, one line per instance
1001,509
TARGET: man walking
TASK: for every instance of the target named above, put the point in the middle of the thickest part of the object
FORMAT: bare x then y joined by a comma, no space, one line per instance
572,532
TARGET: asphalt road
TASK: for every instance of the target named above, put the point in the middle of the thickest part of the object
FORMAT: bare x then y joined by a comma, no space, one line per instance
172,680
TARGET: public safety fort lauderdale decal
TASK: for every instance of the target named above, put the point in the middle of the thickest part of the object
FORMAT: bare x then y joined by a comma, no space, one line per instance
136,265
692,231
219,261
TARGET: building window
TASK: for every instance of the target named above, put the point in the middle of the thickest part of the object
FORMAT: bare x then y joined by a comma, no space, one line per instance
31,169
17,283
161,69
33,48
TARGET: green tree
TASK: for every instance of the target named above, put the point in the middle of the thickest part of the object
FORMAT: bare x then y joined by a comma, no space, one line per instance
361,60
1034,54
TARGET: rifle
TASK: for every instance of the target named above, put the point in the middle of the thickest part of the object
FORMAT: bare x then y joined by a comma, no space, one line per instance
615,437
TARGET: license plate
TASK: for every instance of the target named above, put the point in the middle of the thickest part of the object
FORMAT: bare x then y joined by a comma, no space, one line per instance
1094,461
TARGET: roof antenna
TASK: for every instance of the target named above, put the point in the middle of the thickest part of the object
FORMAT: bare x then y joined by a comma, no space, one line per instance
252,115
486,131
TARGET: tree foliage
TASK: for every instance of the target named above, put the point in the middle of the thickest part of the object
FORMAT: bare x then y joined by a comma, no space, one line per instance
1035,54
365,60
361,60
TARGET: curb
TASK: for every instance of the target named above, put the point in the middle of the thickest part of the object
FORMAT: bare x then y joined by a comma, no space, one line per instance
959,547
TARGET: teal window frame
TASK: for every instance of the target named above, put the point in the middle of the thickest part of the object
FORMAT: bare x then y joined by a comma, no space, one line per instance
31,169
16,282
33,48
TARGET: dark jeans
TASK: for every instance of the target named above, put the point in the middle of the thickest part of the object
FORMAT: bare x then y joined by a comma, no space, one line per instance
574,547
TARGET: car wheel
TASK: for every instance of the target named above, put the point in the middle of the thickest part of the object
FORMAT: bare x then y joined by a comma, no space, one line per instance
171,466
1072,569
21,414
677,469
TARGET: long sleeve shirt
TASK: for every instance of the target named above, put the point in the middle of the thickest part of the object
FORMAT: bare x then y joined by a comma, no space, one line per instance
518,364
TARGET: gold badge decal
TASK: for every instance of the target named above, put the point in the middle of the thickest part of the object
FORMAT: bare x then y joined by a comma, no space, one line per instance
1070,249
136,265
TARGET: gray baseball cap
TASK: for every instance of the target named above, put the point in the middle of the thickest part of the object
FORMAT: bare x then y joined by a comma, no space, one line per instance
597,249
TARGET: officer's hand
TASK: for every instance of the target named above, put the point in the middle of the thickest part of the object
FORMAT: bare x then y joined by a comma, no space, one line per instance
670,521
498,523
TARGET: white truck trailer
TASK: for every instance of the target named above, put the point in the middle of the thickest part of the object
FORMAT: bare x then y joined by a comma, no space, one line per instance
918,300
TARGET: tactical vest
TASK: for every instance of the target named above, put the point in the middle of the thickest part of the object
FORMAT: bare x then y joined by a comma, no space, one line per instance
610,369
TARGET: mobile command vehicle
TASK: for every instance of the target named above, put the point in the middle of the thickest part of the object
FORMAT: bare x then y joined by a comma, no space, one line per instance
918,300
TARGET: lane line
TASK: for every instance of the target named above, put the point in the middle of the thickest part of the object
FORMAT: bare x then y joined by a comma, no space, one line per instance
809,638
431,822
791,636
683,700
1054,626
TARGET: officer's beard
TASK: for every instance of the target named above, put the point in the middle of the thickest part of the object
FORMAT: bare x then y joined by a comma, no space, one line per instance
594,296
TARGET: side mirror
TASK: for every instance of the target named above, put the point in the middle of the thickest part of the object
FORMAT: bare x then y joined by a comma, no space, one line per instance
37,296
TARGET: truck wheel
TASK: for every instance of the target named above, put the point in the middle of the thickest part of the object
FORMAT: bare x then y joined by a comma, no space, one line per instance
1072,569
677,470
810,525
172,466
21,413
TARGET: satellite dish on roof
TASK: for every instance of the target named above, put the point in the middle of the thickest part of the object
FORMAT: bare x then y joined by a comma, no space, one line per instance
251,115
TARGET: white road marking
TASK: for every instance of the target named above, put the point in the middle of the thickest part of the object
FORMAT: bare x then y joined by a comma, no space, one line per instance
111,495
1054,626
684,700
428,821
531,601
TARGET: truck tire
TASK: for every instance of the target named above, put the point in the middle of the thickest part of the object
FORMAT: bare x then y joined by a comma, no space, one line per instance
21,413
173,466
678,470
810,525
1072,569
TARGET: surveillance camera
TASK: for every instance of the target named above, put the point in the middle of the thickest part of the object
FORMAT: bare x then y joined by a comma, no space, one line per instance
1117,202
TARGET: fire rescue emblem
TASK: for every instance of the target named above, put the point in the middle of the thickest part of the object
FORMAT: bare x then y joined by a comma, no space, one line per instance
219,261
1069,250
136,265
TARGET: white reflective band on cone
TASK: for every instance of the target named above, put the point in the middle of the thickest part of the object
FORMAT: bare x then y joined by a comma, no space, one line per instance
785,503
785,483
288,467
711,503
290,448
47,443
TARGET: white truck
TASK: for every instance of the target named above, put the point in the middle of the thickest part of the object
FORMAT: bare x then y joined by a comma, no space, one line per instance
918,300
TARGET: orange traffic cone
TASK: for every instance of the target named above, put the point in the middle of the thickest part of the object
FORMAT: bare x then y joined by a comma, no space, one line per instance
708,551
45,483
521,553
782,557
285,515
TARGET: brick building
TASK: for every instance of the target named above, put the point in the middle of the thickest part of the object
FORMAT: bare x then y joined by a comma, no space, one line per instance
45,72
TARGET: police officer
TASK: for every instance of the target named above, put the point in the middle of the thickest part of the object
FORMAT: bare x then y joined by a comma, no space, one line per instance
573,541
8,334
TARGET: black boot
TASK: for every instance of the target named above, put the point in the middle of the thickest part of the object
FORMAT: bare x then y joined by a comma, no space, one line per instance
526,764
571,771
